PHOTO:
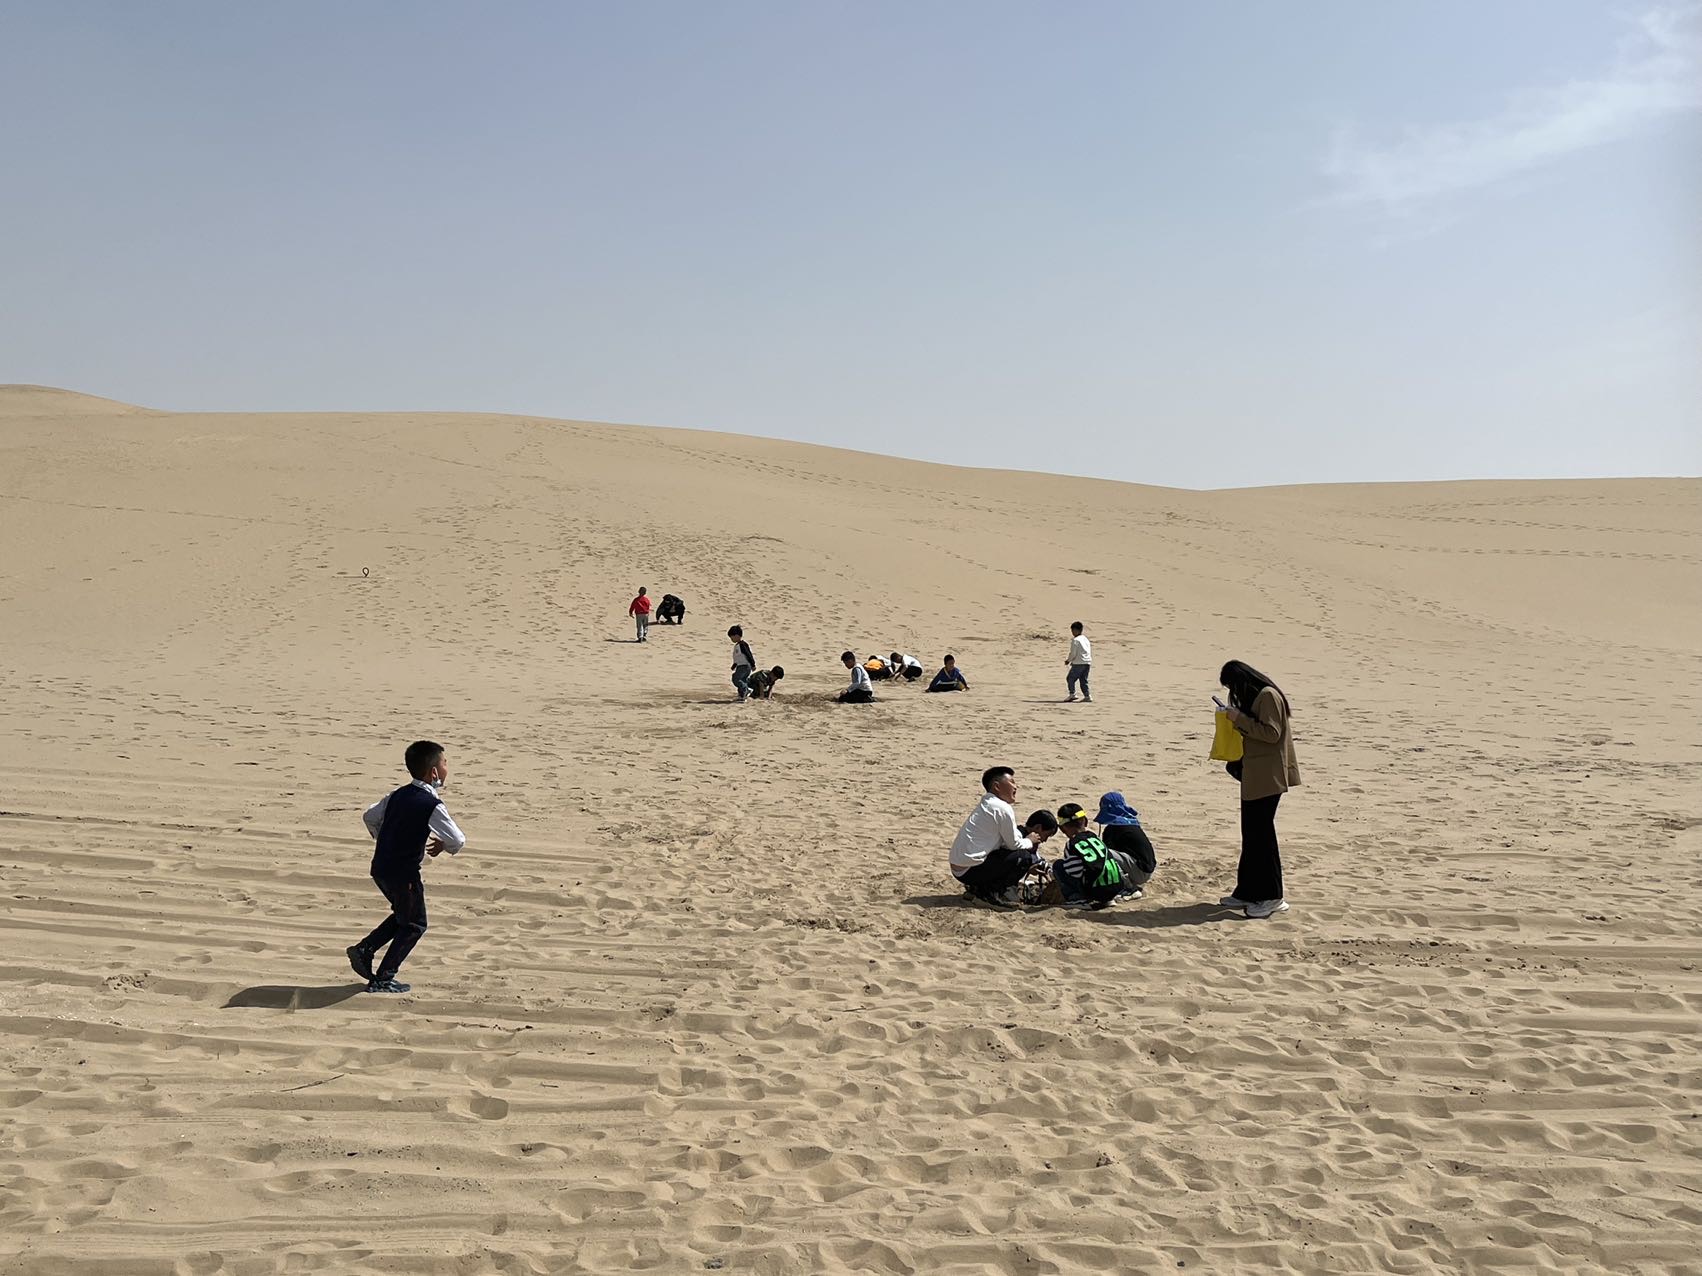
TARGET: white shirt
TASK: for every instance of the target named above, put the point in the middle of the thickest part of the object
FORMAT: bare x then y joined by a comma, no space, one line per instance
990,825
739,657
907,662
441,825
1081,651
860,678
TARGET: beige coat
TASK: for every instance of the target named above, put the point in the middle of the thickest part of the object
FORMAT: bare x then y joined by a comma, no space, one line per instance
1267,765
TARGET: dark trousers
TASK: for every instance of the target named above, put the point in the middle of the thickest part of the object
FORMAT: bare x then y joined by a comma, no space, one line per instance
1078,673
1260,875
860,695
1001,870
406,923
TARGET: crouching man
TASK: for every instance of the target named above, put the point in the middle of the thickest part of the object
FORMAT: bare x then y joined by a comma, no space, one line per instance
991,854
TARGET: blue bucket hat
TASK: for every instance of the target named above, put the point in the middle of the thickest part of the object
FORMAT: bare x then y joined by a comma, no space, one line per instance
1113,810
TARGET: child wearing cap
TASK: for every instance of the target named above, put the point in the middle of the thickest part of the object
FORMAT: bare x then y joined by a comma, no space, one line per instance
1120,829
1090,875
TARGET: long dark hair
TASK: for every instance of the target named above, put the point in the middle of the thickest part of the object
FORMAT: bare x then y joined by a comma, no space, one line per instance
1245,683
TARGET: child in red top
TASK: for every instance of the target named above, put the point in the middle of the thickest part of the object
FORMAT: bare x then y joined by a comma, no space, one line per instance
640,612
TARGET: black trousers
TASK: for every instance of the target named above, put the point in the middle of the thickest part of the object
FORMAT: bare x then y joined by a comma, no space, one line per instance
1260,875
862,695
406,923
1001,870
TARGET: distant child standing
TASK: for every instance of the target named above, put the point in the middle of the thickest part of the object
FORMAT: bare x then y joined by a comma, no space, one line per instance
640,612
743,662
1080,661
407,825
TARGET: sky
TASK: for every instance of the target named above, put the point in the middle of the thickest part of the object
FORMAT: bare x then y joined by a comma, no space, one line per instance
1205,245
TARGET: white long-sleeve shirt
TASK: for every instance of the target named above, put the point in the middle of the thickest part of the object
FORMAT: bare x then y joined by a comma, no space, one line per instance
991,825
441,825
860,678
1081,651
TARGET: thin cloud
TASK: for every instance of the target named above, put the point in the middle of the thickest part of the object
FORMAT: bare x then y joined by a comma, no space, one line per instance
1656,75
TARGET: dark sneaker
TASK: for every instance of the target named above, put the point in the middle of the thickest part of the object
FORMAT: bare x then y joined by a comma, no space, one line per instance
387,985
361,962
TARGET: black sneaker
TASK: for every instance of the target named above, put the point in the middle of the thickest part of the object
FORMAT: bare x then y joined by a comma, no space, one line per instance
361,961
387,985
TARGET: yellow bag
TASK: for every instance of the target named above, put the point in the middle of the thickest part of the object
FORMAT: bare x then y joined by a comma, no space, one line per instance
1226,742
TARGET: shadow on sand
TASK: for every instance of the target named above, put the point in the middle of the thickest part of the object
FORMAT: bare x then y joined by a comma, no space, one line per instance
1130,914
294,996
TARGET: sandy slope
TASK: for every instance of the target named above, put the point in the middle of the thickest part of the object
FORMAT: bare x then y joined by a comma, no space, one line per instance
699,989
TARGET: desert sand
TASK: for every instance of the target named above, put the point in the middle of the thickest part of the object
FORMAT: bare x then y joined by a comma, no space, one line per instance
700,993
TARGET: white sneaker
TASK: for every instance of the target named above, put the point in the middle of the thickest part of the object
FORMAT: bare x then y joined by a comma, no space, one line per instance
1233,901
1265,907
1134,894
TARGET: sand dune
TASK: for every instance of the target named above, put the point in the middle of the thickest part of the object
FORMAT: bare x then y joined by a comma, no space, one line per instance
699,993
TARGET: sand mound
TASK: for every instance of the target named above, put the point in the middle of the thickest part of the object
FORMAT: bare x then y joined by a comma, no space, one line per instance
46,401
699,993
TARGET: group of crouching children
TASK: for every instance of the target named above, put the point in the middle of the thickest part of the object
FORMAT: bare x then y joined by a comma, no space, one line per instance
998,861
751,683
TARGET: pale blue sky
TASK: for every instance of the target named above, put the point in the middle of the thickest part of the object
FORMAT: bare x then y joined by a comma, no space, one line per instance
1201,245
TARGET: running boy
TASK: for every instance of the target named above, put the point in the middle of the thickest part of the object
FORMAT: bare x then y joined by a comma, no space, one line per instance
407,825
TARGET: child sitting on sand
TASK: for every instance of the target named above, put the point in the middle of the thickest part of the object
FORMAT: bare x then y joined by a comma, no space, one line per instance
859,692
949,678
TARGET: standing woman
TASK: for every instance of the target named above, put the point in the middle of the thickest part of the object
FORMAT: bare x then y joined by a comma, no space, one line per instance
1258,709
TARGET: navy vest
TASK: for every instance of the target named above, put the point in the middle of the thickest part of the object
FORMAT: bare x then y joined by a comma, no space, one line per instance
402,835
